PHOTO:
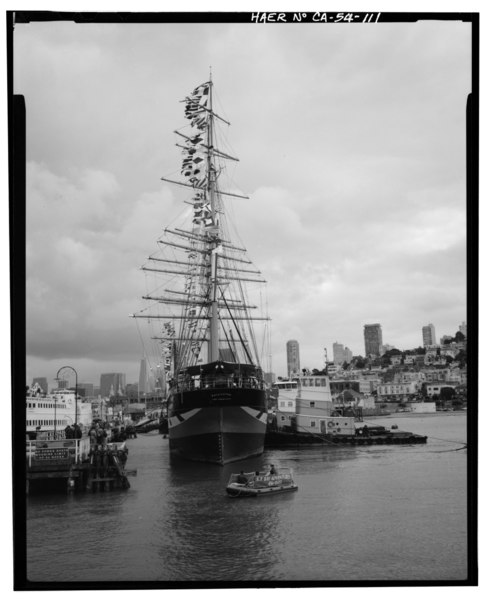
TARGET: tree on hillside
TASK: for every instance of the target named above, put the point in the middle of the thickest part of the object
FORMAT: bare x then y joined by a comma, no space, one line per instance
316,372
359,362
461,357
447,393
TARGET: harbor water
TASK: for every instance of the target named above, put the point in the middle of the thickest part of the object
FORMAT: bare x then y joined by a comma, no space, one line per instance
368,513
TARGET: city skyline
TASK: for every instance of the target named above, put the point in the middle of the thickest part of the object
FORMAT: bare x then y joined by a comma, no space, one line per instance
362,167
278,372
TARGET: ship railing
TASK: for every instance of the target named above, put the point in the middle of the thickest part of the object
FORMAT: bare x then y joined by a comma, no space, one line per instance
220,383
78,449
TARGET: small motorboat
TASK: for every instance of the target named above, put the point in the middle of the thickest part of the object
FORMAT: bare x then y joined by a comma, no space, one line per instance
255,484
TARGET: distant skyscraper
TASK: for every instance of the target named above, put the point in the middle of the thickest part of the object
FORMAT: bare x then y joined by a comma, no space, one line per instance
338,353
429,335
86,389
347,355
341,354
463,329
143,386
292,353
113,383
42,382
373,339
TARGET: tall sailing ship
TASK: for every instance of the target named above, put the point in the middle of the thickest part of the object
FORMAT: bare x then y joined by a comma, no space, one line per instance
216,394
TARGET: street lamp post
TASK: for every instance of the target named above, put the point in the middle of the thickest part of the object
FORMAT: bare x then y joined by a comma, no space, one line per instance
76,388
55,403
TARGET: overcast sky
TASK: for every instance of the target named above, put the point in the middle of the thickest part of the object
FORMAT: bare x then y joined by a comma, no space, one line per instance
351,141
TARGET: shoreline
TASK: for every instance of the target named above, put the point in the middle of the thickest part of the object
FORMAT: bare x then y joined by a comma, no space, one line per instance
416,414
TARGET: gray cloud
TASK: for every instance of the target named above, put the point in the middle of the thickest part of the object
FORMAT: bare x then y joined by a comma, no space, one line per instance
352,147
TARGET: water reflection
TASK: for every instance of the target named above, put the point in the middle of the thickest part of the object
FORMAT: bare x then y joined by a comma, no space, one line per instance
361,513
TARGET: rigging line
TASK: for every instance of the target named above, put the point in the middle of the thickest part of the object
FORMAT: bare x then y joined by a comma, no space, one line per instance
448,441
236,327
251,330
145,353
228,342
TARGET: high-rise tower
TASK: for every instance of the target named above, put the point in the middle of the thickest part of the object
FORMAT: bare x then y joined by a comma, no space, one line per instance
373,339
113,383
143,386
429,335
292,353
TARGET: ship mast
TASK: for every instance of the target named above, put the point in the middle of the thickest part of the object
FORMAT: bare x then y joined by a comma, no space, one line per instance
210,297
213,347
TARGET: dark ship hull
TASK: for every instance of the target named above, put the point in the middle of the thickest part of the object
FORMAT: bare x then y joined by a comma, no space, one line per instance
219,423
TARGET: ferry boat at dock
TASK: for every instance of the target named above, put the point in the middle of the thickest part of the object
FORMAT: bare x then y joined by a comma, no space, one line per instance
256,484
53,412
217,407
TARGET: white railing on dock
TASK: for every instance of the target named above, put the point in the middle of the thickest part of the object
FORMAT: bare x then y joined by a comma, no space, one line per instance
78,449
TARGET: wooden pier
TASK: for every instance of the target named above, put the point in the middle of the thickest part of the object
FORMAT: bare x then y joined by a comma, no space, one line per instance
76,465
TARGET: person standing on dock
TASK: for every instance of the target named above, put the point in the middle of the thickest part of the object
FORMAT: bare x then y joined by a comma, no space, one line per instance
101,435
273,471
93,435
77,431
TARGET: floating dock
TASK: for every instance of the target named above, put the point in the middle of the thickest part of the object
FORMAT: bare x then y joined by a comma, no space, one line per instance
375,435
76,465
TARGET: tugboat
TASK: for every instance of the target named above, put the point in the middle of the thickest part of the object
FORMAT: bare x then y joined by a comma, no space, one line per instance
256,484
217,408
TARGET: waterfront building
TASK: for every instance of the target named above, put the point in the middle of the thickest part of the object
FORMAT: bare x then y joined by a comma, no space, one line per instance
408,377
42,382
367,386
436,389
349,397
339,385
113,383
429,335
398,389
373,339
292,354
434,356
435,374
86,389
